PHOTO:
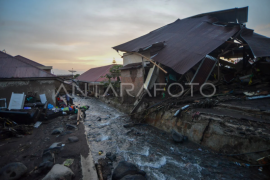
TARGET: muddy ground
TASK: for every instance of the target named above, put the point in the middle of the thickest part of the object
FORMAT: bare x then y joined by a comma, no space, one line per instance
29,148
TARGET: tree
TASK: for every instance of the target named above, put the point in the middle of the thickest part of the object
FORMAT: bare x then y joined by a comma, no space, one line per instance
115,73
76,75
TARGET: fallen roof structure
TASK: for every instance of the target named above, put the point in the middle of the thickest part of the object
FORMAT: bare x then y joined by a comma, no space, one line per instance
201,49
188,41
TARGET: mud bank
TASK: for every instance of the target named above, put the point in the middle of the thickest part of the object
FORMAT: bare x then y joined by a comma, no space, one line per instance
226,128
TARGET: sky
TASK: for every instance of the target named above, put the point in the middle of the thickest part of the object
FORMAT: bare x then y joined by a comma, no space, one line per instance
80,34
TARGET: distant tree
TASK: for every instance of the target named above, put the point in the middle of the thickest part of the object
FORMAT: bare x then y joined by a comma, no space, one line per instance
115,73
76,75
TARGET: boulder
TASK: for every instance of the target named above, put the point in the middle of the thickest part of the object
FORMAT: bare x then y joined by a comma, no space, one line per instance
58,130
73,139
125,168
177,137
59,172
12,171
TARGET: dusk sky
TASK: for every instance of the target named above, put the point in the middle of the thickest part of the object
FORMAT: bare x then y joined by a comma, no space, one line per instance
80,34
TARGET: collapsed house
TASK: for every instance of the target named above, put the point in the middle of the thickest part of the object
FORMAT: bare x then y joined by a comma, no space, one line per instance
196,49
215,48
94,79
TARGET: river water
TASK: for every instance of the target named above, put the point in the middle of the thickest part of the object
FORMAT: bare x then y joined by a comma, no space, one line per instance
153,150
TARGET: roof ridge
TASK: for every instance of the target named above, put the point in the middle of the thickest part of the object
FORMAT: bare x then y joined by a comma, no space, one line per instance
28,59
30,64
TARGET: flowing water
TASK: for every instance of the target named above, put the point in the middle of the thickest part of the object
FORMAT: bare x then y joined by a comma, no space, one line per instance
153,150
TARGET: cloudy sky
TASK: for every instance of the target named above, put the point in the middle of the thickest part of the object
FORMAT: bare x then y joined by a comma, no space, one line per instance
79,34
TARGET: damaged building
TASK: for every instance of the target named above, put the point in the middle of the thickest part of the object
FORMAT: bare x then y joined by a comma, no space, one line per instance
22,75
216,48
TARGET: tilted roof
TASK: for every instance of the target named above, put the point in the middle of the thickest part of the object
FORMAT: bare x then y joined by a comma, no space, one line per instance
186,41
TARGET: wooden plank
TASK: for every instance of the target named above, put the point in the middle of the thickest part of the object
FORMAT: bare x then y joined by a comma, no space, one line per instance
151,61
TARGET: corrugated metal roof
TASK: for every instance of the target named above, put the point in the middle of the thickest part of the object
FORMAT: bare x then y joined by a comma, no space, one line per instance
11,67
94,74
26,60
259,44
229,15
187,41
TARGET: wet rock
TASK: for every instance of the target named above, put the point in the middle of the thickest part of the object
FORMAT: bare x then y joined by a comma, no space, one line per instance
70,126
58,130
47,156
134,177
125,168
128,125
59,172
12,171
73,139
242,132
111,156
45,166
177,137
108,154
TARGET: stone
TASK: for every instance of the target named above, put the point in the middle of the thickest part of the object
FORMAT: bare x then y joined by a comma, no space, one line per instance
125,168
58,130
45,166
134,177
177,137
47,156
13,171
73,139
59,172
70,126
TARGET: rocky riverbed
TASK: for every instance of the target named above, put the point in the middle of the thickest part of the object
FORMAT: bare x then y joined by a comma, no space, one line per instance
153,150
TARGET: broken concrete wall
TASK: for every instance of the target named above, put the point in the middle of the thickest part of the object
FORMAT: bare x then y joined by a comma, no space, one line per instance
132,76
47,87
220,133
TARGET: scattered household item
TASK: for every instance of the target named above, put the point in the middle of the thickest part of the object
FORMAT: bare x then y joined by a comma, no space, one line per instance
43,98
16,101
37,124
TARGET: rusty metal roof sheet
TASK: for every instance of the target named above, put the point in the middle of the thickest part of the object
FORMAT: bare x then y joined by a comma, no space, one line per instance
11,67
259,44
94,74
186,41
33,63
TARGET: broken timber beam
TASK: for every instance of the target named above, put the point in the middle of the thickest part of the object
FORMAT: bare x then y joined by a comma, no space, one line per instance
151,61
